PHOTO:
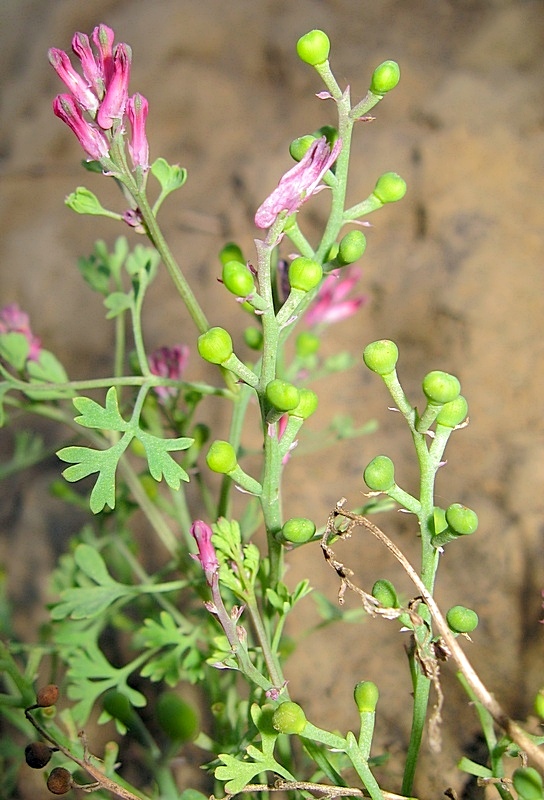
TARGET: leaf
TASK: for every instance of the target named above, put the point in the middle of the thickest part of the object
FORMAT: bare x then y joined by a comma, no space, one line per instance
117,303
14,348
160,463
170,177
168,636
86,461
93,415
89,561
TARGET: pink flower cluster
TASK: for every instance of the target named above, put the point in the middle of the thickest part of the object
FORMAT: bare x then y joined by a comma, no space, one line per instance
168,362
98,101
13,320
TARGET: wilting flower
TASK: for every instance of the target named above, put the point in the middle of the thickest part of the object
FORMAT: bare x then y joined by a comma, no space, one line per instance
138,147
331,304
299,183
13,320
168,362
207,558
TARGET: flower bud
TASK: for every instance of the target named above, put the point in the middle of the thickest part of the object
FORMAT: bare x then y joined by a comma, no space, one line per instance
37,754
390,187
379,475
59,781
314,47
299,147
298,530
221,457
283,396
453,413
381,356
461,520
461,619
215,345
307,404
253,337
47,695
83,201
177,718
304,273
384,592
385,77
231,252
366,696
289,718
440,387
307,344
352,247
528,783
237,278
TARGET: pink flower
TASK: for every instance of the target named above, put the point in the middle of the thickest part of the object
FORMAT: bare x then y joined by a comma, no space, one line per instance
103,37
138,147
62,65
90,138
13,320
207,557
91,66
299,183
330,304
168,362
113,105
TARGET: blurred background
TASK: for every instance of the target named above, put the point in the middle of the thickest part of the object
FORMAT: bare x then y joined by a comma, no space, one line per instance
453,273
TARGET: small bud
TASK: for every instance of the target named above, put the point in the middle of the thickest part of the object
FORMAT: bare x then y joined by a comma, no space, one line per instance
215,345
221,457
231,252
528,783
381,356
351,248
461,619
59,781
390,187
385,77
282,396
379,475
314,47
299,147
461,520
253,337
177,718
289,718
237,278
307,404
298,530
440,387
38,754
83,201
453,413
366,695
47,695
305,274
384,592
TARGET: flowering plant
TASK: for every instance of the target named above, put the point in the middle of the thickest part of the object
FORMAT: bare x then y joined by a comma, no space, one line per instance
214,614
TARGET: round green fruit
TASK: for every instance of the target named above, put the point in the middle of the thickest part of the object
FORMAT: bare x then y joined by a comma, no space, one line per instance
461,520
298,530
314,47
231,252
440,387
385,77
289,718
282,396
352,246
307,404
237,279
366,695
300,146
381,356
453,413
461,619
215,345
379,475
390,187
304,274
221,457
177,718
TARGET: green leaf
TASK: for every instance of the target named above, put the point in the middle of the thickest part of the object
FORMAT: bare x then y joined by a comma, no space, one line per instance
169,666
467,765
89,561
170,177
160,463
86,461
93,415
117,303
14,348
47,368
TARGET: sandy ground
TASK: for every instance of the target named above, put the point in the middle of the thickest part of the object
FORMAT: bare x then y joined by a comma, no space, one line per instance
453,274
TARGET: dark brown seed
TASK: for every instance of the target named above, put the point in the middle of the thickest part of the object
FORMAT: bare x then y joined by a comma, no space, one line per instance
37,754
47,695
59,780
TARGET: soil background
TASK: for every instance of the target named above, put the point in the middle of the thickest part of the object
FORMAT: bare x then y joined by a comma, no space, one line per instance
453,273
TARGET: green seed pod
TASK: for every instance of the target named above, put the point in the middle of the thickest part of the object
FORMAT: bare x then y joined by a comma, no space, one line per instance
215,345
282,396
385,77
59,781
381,356
237,278
177,718
352,246
379,475
528,783
440,387
299,147
38,754
298,530
314,47
119,707
461,619
253,337
307,404
539,703
453,413
366,695
461,519
304,273
390,187
307,344
289,718
384,592
231,252
221,457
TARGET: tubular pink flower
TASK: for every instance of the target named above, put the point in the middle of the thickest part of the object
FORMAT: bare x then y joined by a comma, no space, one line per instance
13,320
168,362
299,183
114,103
207,557
91,67
138,147
90,138
103,38
330,305
62,65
